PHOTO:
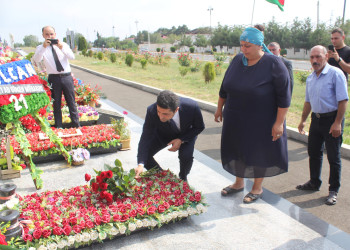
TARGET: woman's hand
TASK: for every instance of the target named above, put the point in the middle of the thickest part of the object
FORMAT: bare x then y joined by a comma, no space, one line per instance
218,115
277,131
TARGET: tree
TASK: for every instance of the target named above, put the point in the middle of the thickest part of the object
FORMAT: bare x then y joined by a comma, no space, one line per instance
301,33
82,43
221,36
31,41
181,30
185,41
320,36
201,41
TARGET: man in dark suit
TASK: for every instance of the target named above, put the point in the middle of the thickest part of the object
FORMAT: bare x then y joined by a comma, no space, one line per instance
276,50
170,121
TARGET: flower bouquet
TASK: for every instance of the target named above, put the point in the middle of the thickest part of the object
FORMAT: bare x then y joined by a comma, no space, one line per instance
117,204
121,127
79,155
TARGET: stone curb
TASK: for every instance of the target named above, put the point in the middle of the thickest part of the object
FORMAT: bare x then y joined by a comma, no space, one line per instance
292,133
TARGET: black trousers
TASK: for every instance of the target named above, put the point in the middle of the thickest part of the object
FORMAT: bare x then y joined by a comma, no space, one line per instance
318,137
63,84
185,153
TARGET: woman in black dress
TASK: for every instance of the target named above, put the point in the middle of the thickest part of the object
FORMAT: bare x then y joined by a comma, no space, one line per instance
256,95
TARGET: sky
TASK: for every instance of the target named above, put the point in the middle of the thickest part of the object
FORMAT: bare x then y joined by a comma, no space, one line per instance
122,18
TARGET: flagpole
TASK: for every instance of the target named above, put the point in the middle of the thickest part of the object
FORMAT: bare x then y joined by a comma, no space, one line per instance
251,23
343,11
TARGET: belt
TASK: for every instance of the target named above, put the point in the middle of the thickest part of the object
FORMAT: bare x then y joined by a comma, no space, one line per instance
61,75
329,114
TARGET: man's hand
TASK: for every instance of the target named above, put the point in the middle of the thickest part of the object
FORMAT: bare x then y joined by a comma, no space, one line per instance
176,144
301,128
138,170
333,54
335,129
59,44
46,43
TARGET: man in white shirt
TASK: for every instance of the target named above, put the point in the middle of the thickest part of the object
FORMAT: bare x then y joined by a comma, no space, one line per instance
55,55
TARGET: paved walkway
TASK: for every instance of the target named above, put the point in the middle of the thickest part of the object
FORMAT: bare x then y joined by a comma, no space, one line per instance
270,223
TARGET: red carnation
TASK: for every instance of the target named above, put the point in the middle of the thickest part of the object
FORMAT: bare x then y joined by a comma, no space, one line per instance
67,229
76,229
99,179
151,210
26,237
57,231
89,224
103,185
133,213
87,177
2,240
198,196
109,174
117,217
46,233
124,218
103,174
94,186
161,209
37,233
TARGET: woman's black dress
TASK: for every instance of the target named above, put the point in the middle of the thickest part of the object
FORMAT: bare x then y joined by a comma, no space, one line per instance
253,94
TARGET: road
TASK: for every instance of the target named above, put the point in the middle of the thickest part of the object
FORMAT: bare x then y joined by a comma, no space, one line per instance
136,101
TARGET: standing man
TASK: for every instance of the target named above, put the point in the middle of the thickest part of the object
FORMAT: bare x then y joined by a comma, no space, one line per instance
327,97
56,55
275,48
340,56
171,121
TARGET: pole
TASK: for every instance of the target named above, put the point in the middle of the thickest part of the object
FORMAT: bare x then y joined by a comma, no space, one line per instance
344,11
251,23
210,9
318,13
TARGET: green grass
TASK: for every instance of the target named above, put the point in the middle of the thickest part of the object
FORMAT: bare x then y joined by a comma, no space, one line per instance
168,77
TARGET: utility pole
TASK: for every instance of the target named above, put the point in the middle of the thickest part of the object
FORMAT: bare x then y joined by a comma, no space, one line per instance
251,22
113,31
137,30
344,11
318,13
210,9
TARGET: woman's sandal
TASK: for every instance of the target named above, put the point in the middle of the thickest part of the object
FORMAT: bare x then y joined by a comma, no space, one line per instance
250,197
229,190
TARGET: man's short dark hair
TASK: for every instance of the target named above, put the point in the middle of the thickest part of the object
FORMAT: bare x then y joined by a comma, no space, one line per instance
259,27
339,30
168,100
42,30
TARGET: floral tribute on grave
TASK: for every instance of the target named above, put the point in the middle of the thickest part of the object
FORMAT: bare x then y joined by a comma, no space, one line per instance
114,204
23,95
96,136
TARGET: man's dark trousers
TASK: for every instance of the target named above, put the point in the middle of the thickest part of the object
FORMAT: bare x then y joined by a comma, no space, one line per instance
318,137
63,84
185,156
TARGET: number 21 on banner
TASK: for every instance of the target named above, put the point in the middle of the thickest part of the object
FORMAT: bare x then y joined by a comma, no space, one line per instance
21,99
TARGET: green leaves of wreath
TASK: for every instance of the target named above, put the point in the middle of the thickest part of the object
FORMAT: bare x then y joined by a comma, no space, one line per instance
25,146
46,128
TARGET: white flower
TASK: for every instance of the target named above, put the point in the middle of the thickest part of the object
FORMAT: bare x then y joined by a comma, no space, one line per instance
175,214
154,223
168,217
71,240
52,246
162,218
102,235
146,223
201,209
86,237
42,248
191,211
132,226
32,248
93,235
184,213
139,223
122,229
62,244
2,206
114,231
78,238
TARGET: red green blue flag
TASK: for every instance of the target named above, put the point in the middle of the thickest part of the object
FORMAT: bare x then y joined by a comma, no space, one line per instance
279,3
